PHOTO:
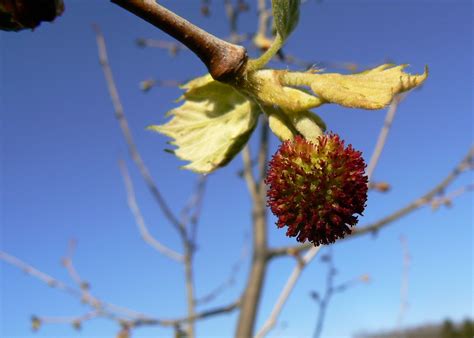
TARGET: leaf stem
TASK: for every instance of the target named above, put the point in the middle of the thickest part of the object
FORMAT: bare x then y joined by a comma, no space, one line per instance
267,56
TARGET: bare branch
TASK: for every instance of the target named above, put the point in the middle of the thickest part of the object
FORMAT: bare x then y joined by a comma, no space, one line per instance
330,290
427,198
140,221
228,282
198,316
45,278
132,148
75,321
233,13
447,200
81,284
383,135
286,291
224,60
253,289
172,47
120,314
248,172
192,210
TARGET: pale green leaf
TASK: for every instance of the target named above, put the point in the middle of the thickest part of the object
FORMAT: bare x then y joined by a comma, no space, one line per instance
371,89
285,15
286,126
211,126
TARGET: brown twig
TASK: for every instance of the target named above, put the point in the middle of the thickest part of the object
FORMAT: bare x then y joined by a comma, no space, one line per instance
140,221
45,278
172,47
124,316
99,305
75,321
447,200
132,148
427,198
147,85
197,316
225,61
81,284
383,134
233,12
228,282
286,291
253,288
330,291
192,210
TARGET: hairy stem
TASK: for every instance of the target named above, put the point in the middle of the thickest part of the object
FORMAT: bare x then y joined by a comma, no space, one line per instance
224,60
267,56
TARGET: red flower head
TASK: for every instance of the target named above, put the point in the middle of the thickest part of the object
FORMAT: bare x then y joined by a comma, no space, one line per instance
316,188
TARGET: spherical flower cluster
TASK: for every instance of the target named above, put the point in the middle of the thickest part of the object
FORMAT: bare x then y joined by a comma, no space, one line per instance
316,188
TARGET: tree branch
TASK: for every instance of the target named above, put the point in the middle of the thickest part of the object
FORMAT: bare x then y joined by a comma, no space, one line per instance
127,317
224,60
286,291
132,148
140,221
253,289
428,197
383,135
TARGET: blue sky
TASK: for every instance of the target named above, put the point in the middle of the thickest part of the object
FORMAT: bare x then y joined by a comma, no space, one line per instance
60,179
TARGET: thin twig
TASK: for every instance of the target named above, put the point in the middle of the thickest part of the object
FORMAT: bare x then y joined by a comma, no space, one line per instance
81,284
192,210
34,272
447,200
286,291
132,148
76,321
383,134
330,290
228,282
427,198
140,221
197,316
108,310
172,47
92,301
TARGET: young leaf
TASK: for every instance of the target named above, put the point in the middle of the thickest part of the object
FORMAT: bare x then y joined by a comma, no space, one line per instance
287,126
371,89
211,126
286,14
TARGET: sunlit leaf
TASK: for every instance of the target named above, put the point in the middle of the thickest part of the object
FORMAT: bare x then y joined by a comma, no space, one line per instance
287,126
211,126
371,89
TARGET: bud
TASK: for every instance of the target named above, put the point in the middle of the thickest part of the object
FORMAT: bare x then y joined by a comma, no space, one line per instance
316,188
35,323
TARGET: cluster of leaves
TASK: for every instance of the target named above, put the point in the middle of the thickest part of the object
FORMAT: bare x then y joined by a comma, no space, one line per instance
216,120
